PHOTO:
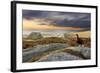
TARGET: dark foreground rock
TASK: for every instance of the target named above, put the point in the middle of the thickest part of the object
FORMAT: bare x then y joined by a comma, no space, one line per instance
86,52
62,56
40,49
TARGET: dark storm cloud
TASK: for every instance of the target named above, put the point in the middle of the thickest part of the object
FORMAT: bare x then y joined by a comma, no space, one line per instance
74,23
71,19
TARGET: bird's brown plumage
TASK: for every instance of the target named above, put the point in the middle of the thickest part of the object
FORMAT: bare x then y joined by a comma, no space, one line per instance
79,40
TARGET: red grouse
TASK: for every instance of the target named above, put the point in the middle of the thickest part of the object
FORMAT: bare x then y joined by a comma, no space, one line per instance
79,40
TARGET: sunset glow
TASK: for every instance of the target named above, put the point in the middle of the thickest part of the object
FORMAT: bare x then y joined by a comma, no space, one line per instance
31,25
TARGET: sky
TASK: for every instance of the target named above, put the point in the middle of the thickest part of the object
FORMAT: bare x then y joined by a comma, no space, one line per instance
52,20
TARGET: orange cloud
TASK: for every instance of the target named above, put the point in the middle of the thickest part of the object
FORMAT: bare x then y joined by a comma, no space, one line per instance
31,24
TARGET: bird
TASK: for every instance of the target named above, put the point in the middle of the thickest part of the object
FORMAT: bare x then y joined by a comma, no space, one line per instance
79,40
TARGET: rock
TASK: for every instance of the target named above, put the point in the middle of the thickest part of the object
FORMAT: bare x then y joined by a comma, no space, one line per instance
71,39
39,49
86,52
35,35
69,36
60,56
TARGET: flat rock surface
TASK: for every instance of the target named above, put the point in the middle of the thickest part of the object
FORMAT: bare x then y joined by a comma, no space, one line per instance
59,57
37,50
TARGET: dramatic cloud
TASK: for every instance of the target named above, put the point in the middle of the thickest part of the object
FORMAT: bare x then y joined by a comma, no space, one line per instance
59,19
